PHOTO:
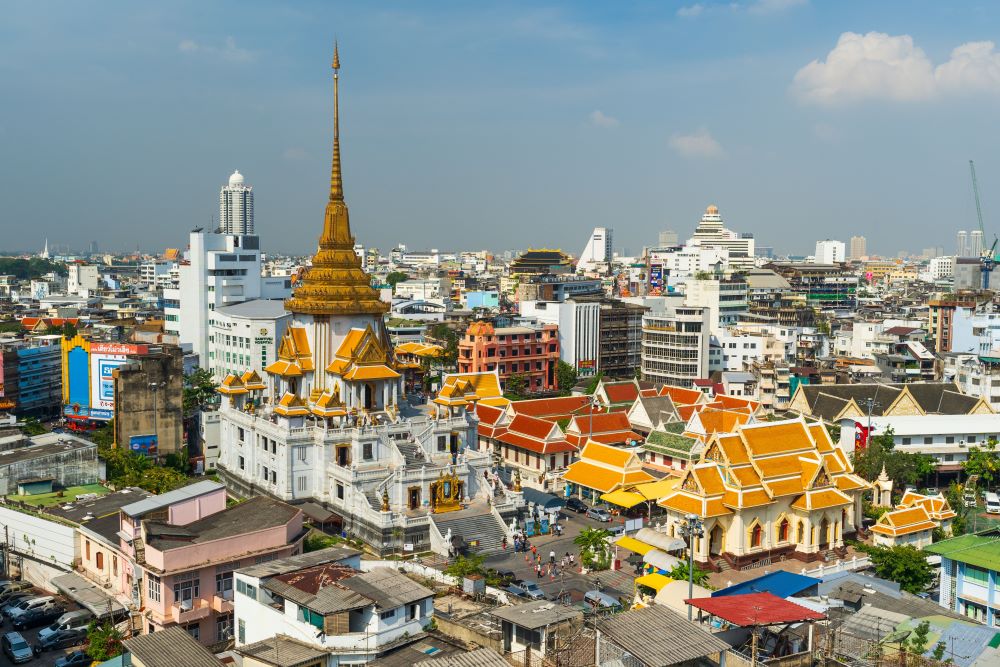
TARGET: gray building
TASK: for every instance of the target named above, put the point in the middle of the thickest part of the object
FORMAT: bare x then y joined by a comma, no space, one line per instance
62,458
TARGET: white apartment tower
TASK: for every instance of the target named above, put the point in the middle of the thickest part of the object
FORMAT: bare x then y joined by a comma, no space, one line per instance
859,247
236,206
829,252
599,249
975,243
962,244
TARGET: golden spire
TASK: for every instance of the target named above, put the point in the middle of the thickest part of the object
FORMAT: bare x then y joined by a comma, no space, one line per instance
335,284
336,179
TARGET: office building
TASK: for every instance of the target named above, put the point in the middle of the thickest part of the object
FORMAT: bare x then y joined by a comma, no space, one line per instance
81,279
711,234
675,345
236,207
529,351
975,243
859,248
244,336
668,237
829,252
599,249
31,376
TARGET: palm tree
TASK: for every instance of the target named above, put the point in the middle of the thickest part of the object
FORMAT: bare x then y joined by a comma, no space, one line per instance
592,540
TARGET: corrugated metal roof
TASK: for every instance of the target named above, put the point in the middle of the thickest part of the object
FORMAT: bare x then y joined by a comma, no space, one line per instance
292,652
755,609
537,614
657,635
172,647
781,583
273,568
388,588
163,500
483,657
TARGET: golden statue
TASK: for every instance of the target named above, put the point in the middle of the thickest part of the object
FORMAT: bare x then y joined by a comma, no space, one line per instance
446,493
517,479
385,500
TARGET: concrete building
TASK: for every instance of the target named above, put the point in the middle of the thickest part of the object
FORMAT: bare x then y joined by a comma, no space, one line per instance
725,299
711,233
829,252
530,351
81,279
859,248
667,237
941,268
970,575
324,600
149,401
975,330
236,207
59,458
245,336
675,345
31,376
219,270
578,323
940,320
598,251
962,244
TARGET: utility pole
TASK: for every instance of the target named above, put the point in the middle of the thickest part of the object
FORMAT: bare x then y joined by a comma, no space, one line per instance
691,529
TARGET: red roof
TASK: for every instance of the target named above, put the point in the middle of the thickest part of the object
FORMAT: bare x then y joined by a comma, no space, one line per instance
488,414
621,392
533,445
755,609
531,426
680,395
559,407
608,422
730,402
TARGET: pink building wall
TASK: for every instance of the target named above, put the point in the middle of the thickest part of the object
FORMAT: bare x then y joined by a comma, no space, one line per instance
188,511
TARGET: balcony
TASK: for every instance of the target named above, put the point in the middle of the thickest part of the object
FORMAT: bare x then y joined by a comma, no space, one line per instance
190,610
223,602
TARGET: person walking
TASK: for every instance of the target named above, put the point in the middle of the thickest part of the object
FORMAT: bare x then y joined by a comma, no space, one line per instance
552,557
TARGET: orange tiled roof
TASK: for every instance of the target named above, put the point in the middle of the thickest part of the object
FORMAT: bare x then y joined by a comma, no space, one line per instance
682,396
823,499
904,521
621,392
377,372
612,456
683,503
775,437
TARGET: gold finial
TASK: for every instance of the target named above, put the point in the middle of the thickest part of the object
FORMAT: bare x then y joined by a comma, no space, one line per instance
336,180
336,56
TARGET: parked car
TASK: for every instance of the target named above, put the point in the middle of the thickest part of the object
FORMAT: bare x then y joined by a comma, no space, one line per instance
71,620
595,600
74,659
992,503
599,513
27,604
576,505
16,599
59,639
38,616
16,648
526,589
505,576
12,588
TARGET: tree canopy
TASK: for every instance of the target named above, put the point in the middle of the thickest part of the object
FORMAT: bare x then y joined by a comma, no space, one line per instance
903,468
31,268
985,462
199,390
903,564
566,377
104,641
394,278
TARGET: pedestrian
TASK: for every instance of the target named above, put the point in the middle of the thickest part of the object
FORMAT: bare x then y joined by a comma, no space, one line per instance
572,559
538,571
504,543
552,556
534,550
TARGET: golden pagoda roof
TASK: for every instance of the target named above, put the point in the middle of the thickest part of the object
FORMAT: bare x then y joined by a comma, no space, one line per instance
335,283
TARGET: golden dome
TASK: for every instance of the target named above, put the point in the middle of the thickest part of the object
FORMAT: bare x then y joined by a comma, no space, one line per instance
712,210
336,284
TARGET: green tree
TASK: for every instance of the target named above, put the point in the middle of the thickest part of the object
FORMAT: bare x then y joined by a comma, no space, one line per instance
592,385
160,480
29,269
903,468
104,437
566,377
31,426
905,565
103,641
394,278
447,338
316,540
199,390
939,650
465,566
69,330
515,387
956,498
179,461
594,552
680,573
917,642
985,462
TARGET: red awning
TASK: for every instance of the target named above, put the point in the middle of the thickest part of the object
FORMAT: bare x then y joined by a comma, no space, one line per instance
755,609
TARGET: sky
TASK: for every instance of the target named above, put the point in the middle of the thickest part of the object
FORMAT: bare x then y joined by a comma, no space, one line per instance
501,125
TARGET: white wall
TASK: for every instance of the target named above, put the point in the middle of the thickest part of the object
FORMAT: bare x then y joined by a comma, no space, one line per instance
49,544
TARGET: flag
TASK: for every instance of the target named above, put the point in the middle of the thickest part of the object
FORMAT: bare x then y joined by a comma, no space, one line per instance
861,434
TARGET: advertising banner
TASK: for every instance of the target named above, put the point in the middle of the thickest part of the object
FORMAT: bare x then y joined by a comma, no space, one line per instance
104,359
143,444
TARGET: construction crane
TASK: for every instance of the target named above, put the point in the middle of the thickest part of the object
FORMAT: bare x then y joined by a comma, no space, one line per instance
988,258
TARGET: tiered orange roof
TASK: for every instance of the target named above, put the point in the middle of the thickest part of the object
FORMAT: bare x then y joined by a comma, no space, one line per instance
611,428
291,405
606,469
294,355
937,506
759,463
904,522
703,424
361,356
232,385
484,386
535,435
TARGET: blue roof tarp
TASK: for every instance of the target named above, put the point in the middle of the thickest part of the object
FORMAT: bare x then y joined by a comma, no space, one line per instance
780,583
545,501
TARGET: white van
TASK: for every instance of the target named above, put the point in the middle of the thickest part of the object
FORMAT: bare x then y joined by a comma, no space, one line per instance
71,620
992,503
33,603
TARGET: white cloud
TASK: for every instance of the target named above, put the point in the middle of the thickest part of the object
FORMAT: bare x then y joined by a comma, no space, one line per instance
891,67
691,11
600,119
700,144
229,51
294,153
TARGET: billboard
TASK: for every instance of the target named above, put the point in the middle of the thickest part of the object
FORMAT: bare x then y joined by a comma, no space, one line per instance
89,384
143,444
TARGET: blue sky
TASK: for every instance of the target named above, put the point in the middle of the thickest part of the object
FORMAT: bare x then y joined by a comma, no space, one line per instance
501,125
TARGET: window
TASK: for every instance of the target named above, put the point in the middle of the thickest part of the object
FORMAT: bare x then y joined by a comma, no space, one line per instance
265,473
311,617
153,587
193,629
223,582
442,442
950,440
414,612
224,627
340,491
242,463
905,441
240,433
242,631
366,451
386,615
755,536
976,575
274,477
114,565
99,560
246,589
783,530
303,483
187,587
928,440
302,454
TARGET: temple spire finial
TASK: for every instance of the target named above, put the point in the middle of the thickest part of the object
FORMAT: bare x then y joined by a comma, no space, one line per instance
336,179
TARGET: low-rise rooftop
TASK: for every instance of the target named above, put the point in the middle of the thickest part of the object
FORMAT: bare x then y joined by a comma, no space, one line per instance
251,516
537,614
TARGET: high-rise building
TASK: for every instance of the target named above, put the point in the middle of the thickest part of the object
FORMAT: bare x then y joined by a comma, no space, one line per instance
675,345
236,206
668,237
962,244
859,247
599,249
829,252
711,234
975,243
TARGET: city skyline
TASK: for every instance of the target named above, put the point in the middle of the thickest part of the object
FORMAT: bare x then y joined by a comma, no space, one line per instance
524,126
